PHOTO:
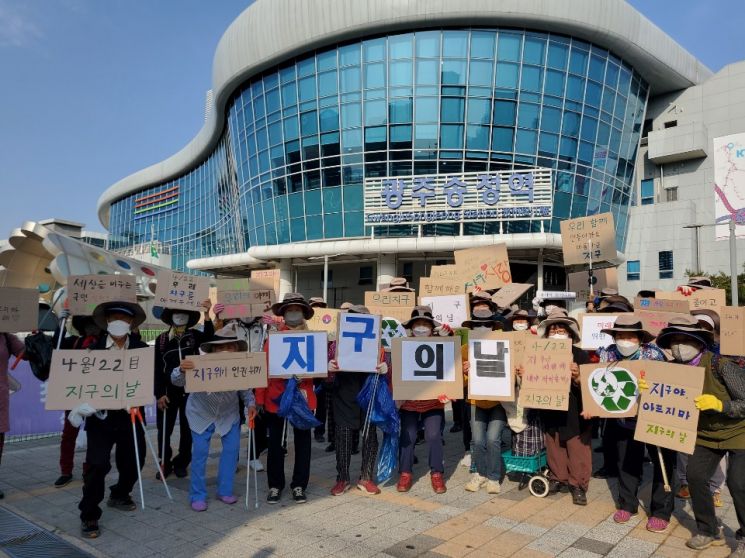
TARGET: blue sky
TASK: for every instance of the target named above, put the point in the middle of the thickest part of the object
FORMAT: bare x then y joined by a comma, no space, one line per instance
93,90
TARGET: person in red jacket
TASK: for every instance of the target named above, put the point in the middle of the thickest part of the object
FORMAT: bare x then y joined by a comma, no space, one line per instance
295,310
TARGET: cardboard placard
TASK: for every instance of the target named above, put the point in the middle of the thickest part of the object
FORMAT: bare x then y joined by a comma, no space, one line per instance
483,268
590,326
450,309
264,279
661,305
547,375
606,278
427,367
242,303
510,293
441,287
383,299
85,292
298,353
227,372
654,322
106,380
324,319
518,341
609,389
711,299
19,309
667,414
586,239
181,291
358,342
491,374
443,272
732,327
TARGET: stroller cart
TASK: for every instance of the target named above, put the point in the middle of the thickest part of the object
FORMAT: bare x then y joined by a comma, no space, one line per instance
527,458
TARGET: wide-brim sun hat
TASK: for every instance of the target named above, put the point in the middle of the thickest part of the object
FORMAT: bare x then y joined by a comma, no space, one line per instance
278,308
130,308
166,316
223,336
699,283
614,303
398,285
711,317
483,298
559,317
628,323
421,313
683,325
358,309
317,302
519,315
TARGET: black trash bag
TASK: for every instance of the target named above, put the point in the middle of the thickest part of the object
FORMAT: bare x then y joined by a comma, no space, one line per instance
39,349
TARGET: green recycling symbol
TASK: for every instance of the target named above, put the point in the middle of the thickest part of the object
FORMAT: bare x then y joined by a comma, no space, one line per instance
613,389
390,329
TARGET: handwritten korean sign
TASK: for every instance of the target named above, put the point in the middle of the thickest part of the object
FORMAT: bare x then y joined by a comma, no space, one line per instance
591,324
443,271
239,301
265,279
586,239
606,277
547,375
609,390
661,305
484,268
103,379
452,310
701,299
379,298
427,367
667,414
732,327
85,292
227,372
299,353
429,286
654,322
19,309
181,291
510,293
358,342
324,319
491,371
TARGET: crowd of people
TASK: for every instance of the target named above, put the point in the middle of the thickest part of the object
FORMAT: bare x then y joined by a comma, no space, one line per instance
488,428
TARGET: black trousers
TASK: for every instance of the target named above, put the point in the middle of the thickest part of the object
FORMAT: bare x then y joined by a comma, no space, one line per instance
466,423
103,435
611,433
701,467
320,430
176,408
630,469
345,441
276,459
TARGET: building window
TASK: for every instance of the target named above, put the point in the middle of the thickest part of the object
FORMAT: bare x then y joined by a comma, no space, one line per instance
671,124
633,270
666,264
408,271
647,191
331,279
647,127
366,275
671,194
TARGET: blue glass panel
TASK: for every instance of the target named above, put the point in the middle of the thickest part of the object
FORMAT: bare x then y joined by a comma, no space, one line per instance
350,79
555,83
296,204
532,79
374,49
376,113
331,200
275,133
578,62
401,137
272,101
329,119
507,75
453,72
528,115
327,84
425,136
557,55
589,128
332,225
400,72
609,99
283,232
455,44
427,72
271,81
611,75
592,94
352,140
452,109
326,60
400,111
562,202
482,44
481,72
375,138
597,68
289,94
427,109
479,111
428,44
504,113
374,75
451,136
549,144
309,123
509,46
400,46
287,74
570,126
575,88
307,87
533,50
354,224
297,229
551,120
502,139
351,115
313,202
568,148
477,137
349,54
353,198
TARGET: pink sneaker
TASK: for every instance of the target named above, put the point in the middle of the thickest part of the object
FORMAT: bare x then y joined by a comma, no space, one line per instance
199,506
622,516
228,499
657,525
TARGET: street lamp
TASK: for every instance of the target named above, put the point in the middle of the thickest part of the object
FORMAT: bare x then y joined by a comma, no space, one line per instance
733,222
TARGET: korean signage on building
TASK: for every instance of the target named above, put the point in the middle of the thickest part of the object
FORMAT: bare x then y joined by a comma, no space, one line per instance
476,196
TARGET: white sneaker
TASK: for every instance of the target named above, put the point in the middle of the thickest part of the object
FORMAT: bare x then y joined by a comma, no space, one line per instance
476,482
466,461
493,487
256,465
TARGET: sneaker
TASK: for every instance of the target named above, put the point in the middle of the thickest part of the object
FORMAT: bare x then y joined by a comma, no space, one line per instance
683,492
554,487
273,496
604,473
623,516
340,488
579,496
466,461
298,494
368,487
700,542
63,480
89,529
122,504
199,505
404,482
657,525
180,472
717,497
476,482
493,487
331,448
456,428
438,483
256,465
230,500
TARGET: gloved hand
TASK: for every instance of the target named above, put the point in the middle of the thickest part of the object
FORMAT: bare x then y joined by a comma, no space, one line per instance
537,304
642,384
708,402
444,330
80,412
685,290
382,368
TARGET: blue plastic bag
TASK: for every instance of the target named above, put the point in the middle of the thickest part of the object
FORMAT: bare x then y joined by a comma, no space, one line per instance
294,407
384,415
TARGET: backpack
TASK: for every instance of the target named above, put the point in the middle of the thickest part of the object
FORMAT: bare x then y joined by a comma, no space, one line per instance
39,349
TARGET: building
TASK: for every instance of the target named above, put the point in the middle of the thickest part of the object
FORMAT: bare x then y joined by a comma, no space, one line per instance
376,138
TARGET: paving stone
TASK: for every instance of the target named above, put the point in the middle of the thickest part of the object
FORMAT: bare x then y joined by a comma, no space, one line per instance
593,545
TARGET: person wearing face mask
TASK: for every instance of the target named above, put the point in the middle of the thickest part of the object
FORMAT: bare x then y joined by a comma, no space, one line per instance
106,429
215,413
295,310
180,340
633,342
567,434
431,412
721,428
519,320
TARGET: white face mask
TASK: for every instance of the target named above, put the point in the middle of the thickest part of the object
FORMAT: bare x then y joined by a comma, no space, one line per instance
626,347
559,336
520,326
685,352
551,308
293,317
180,319
421,331
118,328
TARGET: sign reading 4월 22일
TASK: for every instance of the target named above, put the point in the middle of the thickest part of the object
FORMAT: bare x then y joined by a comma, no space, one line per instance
476,196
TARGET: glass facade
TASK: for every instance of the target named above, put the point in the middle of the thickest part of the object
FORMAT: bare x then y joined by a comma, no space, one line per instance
300,139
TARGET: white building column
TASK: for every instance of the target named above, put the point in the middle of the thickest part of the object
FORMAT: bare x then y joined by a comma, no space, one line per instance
539,272
386,269
285,277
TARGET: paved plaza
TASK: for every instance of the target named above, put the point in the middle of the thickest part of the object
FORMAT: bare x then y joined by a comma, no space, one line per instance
419,523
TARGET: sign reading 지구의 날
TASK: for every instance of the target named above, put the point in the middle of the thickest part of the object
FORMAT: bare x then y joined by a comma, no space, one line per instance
452,310
358,342
609,390
426,368
298,353
547,374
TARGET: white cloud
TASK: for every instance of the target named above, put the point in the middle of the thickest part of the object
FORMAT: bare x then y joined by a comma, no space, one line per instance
17,29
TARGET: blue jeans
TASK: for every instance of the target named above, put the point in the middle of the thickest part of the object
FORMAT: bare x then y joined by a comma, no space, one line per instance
231,444
486,429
